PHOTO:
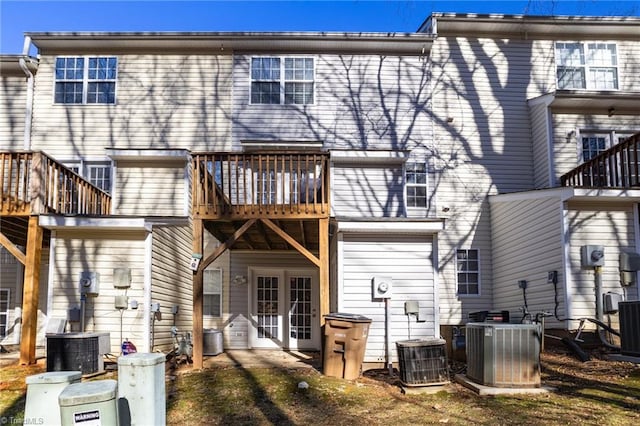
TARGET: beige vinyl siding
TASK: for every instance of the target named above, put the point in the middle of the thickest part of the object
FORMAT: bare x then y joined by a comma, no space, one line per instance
361,102
408,261
367,190
527,244
100,251
629,65
236,330
566,134
171,282
150,188
611,226
540,142
162,102
483,146
13,98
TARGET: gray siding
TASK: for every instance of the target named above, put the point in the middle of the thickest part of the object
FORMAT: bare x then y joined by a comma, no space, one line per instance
361,102
13,97
163,101
611,226
151,188
100,251
367,191
408,261
540,142
171,282
527,243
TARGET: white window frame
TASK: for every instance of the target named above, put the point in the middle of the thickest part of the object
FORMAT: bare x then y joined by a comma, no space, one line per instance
84,168
282,80
588,64
5,314
212,292
408,185
612,138
468,271
86,80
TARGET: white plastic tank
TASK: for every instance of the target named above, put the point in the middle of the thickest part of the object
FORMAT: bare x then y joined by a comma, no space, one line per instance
141,389
43,390
89,403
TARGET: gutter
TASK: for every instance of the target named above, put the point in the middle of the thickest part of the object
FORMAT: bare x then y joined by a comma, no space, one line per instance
28,113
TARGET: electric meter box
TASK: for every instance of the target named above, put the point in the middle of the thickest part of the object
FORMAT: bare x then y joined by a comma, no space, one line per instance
382,287
592,255
89,283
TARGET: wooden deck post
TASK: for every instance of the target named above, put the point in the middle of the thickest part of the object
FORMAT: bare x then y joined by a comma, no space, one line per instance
197,311
323,254
31,290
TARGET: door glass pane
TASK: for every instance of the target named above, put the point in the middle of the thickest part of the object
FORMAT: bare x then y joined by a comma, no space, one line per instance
267,307
300,308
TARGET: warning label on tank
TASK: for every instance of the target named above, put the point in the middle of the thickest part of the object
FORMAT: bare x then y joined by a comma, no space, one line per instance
87,418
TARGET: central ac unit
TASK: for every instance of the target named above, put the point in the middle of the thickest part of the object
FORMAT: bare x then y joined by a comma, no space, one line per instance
503,355
629,328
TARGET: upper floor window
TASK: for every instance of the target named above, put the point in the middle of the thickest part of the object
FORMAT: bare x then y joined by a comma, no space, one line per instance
588,65
86,80
468,271
416,184
277,80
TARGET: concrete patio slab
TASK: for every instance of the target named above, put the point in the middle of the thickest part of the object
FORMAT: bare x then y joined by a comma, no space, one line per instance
493,391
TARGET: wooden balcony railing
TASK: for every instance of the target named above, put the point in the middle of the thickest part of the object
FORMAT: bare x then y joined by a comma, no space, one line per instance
616,167
264,184
33,183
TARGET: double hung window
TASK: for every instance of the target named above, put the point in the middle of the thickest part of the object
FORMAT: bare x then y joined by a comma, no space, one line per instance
416,184
288,80
468,271
212,292
589,65
85,80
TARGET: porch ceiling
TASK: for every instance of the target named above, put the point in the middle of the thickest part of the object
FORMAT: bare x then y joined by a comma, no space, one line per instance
15,229
261,237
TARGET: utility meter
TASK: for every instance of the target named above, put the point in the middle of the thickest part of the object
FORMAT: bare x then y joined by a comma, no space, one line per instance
89,283
381,287
592,256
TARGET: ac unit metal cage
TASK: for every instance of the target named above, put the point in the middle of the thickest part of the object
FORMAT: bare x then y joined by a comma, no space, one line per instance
503,355
629,328
422,362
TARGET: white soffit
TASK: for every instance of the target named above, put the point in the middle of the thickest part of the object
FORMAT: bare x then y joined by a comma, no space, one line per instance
94,223
391,226
148,154
369,156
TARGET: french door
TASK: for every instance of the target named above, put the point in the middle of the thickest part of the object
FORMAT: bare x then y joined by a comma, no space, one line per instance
284,308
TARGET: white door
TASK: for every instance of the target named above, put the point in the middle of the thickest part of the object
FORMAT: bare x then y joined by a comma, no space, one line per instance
284,310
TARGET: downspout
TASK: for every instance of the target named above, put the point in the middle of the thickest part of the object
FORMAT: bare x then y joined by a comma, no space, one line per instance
30,84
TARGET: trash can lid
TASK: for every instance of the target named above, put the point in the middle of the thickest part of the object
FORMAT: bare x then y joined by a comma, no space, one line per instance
420,342
347,317
141,359
88,393
54,377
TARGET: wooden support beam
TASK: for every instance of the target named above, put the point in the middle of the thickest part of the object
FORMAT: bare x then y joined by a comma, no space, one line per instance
306,253
197,312
323,251
13,249
31,289
227,244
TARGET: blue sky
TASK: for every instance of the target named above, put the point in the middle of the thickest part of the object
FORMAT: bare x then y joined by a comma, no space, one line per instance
18,16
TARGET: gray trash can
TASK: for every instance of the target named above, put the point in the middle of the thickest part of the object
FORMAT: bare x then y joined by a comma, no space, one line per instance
89,403
43,391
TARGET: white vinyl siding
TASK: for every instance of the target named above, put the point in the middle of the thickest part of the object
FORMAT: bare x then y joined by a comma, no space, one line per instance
360,102
13,93
611,226
408,261
100,251
150,188
540,123
527,244
171,282
167,101
367,190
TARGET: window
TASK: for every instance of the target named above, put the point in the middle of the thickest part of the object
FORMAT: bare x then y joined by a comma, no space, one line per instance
416,184
282,81
212,292
591,65
96,172
4,311
86,80
468,271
